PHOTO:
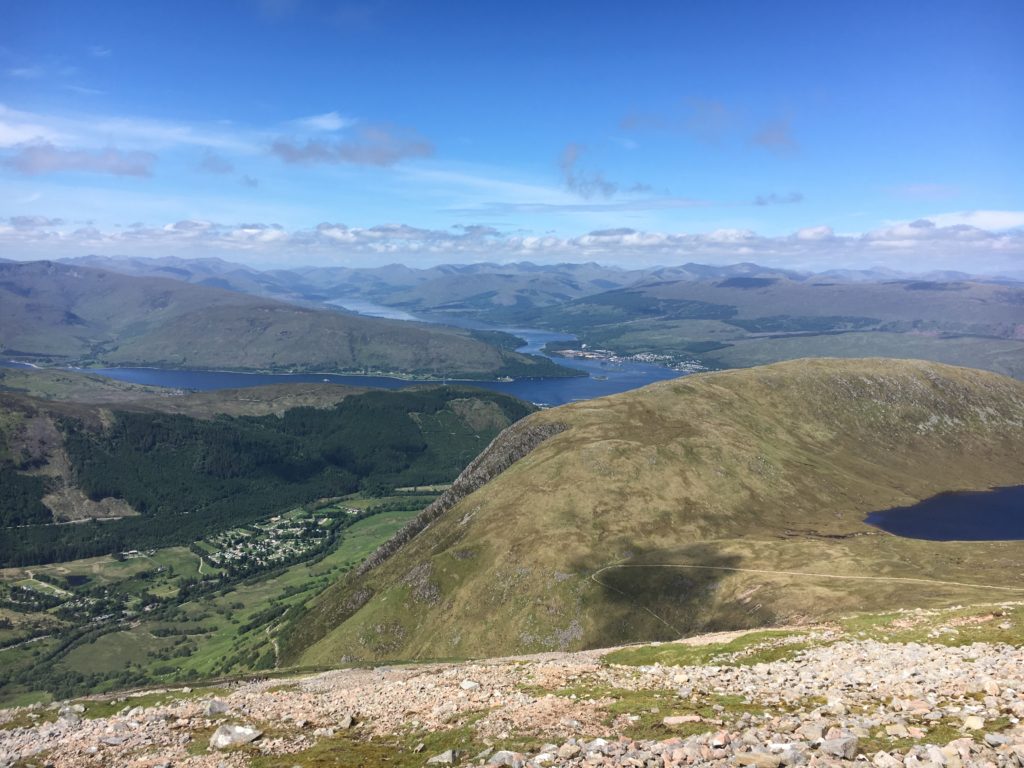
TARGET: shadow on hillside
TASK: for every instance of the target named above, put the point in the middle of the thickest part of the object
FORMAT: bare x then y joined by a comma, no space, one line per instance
641,600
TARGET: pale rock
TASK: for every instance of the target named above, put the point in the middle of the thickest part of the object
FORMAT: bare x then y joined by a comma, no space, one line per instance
680,719
448,757
233,735
813,731
507,758
567,751
793,757
844,747
885,760
758,760
215,707
720,739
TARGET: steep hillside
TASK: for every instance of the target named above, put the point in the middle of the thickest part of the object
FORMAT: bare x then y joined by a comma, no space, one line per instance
720,500
171,479
69,314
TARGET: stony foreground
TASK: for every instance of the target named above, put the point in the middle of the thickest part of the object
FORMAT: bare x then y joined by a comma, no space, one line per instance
835,700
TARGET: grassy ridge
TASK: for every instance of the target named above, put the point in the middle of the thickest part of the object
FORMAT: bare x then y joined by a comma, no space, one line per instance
750,486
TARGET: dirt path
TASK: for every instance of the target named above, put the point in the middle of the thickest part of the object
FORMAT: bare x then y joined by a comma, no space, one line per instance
47,585
277,648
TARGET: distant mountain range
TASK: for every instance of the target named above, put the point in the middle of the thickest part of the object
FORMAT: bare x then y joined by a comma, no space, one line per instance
462,286
729,316
74,314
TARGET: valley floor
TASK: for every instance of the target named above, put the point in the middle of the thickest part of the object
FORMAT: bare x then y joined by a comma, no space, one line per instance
921,689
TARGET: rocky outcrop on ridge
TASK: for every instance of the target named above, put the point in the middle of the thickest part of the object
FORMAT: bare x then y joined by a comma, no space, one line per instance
506,449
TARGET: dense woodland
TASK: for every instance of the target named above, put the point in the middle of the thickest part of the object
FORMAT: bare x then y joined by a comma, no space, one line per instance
20,499
189,477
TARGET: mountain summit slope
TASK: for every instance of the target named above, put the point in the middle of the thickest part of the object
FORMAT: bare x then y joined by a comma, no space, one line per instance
717,501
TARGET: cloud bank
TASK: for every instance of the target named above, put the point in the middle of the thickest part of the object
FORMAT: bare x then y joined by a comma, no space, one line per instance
913,246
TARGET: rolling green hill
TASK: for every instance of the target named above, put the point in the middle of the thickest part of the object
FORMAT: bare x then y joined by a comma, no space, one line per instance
719,501
63,314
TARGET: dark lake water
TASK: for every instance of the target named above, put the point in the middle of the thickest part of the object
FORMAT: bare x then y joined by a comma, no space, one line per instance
996,515
602,378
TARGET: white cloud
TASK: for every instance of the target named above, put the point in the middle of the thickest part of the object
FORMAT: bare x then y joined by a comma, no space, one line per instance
983,219
814,233
730,236
138,133
20,127
81,90
329,121
917,246
27,73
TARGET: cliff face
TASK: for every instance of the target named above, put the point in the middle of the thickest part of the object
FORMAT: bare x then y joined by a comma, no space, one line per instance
717,501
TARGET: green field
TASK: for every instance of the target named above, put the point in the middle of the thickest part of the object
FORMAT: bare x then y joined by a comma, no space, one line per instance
209,632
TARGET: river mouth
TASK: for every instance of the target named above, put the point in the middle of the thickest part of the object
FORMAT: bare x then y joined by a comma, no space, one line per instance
995,515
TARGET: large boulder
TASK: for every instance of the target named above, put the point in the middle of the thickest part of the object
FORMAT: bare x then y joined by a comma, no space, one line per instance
233,736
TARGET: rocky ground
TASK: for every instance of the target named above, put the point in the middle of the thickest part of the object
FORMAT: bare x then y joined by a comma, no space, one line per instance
821,696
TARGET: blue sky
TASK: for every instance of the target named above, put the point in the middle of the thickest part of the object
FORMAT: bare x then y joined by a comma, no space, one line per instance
810,134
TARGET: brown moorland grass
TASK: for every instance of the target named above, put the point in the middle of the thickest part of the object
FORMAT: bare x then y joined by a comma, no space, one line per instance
746,490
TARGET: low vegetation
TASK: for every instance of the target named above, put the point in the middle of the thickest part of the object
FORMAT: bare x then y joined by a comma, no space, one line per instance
720,501
169,615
